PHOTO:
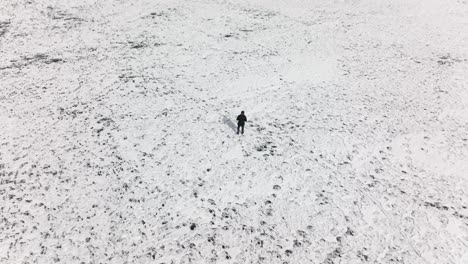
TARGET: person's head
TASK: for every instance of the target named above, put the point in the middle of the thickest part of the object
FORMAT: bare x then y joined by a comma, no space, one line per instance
242,112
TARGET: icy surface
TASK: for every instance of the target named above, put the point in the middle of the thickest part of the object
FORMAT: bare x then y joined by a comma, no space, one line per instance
117,141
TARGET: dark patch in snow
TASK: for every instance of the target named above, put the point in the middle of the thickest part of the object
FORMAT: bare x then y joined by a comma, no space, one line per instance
4,25
436,205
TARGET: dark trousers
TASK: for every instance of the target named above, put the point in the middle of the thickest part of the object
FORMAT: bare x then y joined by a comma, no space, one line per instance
239,125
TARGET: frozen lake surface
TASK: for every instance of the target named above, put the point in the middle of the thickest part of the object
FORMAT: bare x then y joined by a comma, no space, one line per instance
117,141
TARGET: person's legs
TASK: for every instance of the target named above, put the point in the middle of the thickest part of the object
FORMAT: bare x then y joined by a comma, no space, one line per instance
242,129
238,126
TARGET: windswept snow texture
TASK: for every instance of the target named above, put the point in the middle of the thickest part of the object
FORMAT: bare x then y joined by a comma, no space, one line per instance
118,145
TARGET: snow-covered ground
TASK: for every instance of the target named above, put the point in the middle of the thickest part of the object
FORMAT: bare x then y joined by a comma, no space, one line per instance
117,141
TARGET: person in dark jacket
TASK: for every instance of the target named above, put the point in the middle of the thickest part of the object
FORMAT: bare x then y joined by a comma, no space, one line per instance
241,119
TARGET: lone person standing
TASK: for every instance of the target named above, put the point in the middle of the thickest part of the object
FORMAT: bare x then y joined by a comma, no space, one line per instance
241,119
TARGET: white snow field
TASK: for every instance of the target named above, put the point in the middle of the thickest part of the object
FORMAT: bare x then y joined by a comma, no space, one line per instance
117,142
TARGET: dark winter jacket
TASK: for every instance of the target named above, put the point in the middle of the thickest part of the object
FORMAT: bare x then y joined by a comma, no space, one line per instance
241,119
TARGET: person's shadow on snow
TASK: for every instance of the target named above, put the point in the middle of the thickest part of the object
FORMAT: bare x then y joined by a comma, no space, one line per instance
228,122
